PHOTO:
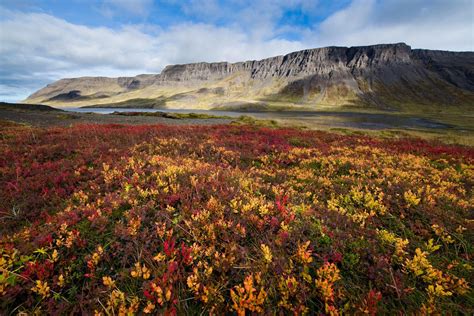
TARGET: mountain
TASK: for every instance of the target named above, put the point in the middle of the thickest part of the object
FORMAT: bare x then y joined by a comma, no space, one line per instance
386,76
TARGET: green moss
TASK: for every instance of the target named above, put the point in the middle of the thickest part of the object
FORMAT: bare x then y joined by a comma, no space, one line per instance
67,116
249,120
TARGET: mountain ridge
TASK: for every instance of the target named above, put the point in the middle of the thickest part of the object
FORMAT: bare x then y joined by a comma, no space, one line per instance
383,76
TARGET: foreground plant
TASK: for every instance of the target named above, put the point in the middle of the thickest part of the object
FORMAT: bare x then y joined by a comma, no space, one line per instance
181,220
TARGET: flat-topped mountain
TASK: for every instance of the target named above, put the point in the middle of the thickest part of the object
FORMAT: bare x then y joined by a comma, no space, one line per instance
387,76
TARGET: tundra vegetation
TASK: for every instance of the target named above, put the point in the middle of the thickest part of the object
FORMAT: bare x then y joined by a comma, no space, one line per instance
115,220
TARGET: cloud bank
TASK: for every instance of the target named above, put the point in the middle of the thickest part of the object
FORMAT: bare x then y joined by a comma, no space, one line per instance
38,48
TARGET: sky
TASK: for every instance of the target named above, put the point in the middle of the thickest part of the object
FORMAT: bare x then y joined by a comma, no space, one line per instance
43,41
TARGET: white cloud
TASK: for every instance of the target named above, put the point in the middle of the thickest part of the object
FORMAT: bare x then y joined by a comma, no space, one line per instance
202,42
258,18
38,48
436,24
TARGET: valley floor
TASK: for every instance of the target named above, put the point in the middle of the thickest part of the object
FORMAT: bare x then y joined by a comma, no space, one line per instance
115,219
451,128
60,118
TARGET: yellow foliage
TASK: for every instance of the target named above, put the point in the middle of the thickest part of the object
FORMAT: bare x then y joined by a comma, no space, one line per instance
411,199
431,247
399,243
42,288
267,253
107,281
149,308
303,254
140,271
247,297
441,232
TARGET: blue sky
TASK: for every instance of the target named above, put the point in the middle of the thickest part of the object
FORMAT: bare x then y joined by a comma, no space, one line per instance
115,13
42,41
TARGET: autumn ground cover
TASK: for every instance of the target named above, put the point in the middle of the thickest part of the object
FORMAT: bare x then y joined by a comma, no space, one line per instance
112,219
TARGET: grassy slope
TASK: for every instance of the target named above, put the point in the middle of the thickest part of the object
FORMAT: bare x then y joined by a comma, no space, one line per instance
27,107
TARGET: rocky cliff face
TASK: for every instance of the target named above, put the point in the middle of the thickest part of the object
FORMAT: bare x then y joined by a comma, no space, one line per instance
297,64
456,68
378,75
